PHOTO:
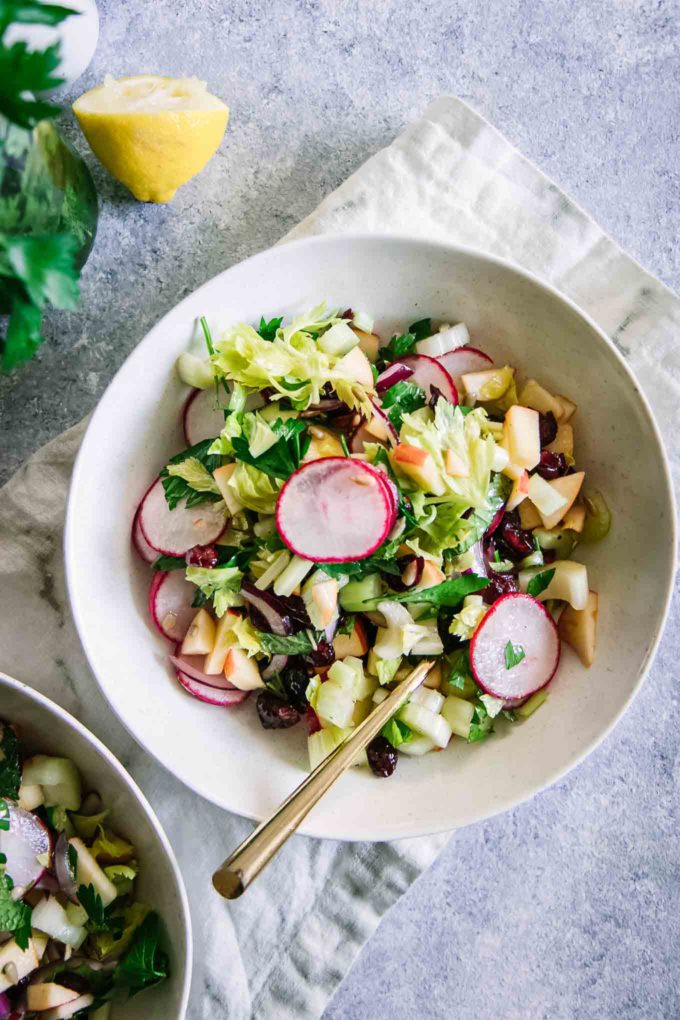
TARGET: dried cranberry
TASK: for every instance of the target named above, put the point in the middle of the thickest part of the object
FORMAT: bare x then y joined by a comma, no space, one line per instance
275,714
547,427
312,720
499,584
551,465
435,395
295,681
515,542
323,654
347,314
296,611
202,556
381,757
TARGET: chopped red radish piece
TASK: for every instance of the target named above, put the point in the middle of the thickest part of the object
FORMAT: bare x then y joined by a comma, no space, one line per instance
429,373
26,839
146,551
192,666
462,360
211,695
392,375
174,532
170,598
202,415
334,510
516,649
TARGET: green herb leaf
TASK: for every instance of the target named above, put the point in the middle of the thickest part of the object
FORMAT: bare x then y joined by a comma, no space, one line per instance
421,329
539,582
15,915
481,726
448,593
10,770
169,563
398,347
343,444
289,644
346,625
177,489
145,963
22,71
267,330
400,399
207,335
32,12
460,668
285,456
4,816
513,655
469,530
397,732
405,507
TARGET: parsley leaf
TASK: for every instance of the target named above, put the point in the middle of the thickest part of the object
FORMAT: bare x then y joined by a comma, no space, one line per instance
398,347
460,669
169,563
482,724
513,655
177,489
396,732
400,399
10,770
421,329
267,330
15,915
24,70
145,963
284,457
346,625
100,918
31,12
288,644
539,582
469,530
448,593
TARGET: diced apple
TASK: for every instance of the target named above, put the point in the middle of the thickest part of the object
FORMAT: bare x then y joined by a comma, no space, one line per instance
434,677
200,638
563,441
325,599
455,465
521,436
88,872
357,367
578,628
569,582
519,491
430,576
511,470
30,796
48,995
529,516
369,343
547,500
419,466
222,476
378,428
567,406
575,518
355,643
224,639
568,487
536,396
323,444
241,670
16,963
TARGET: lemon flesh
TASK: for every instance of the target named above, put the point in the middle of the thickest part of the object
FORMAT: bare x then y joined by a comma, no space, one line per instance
152,133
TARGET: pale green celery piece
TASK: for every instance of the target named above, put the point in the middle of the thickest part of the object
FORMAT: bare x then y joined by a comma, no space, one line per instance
534,702
354,595
598,517
562,541
195,474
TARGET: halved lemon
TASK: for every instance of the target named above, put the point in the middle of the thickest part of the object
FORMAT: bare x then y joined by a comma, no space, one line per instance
152,133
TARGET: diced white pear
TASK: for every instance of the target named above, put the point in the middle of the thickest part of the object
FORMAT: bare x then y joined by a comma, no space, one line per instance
567,407
48,995
536,396
200,637
241,670
357,367
323,444
578,628
222,476
224,639
547,500
430,576
30,797
355,643
575,518
569,582
368,342
16,963
563,441
568,487
529,516
521,437
519,491
88,872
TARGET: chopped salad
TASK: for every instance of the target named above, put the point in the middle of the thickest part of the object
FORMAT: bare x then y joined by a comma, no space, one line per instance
346,506
74,938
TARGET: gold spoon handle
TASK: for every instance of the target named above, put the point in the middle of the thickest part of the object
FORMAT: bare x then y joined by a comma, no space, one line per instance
236,873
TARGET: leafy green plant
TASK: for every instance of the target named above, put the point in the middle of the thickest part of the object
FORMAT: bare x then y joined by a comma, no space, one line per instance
36,269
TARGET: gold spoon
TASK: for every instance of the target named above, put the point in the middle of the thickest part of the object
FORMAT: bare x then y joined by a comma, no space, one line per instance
236,873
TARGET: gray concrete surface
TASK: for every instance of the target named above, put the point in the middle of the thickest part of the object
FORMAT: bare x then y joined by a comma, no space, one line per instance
569,907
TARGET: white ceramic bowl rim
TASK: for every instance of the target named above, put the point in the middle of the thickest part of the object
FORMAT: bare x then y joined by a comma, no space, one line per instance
667,496
126,779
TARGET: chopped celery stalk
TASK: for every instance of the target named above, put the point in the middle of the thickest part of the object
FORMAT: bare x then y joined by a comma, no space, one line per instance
363,321
598,517
293,575
355,594
321,743
534,702
59,779
458,714
196,372
335,704
468,690
339,340
76,914
50,917
272,412
416,748
343,674
262,438
560,540
534,559
266,526
431,700
379,695
429,725
274,570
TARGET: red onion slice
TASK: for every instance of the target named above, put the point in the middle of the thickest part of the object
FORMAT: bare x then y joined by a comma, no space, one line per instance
278,663
187,664
62,869
269,606
392,375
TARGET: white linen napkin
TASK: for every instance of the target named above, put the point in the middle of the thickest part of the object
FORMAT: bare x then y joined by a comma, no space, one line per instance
281,951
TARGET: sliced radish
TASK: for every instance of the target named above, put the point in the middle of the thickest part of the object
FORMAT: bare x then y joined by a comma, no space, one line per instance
26,839
360,436
174,532
335,510
462,360
384,419
192,666
170,598
392,375
147,552
444,341
429,372
526,624
202,417
211,695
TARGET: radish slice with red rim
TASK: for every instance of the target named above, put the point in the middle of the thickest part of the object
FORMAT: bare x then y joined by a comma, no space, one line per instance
192,666
147,552
211,695
515,624
465,359
26,839
174,532
382,416
203,415
335,510
170,598
430,372
360,436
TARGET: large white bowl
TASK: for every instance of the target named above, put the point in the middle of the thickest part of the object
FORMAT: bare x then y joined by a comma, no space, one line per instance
225,755
47,728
